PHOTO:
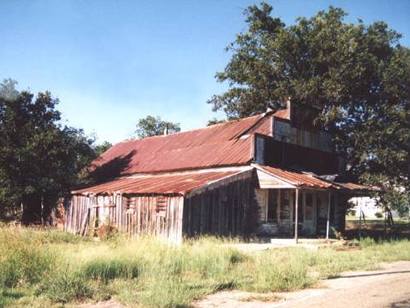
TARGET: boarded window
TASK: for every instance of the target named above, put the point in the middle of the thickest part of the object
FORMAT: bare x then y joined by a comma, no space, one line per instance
161,206
272,205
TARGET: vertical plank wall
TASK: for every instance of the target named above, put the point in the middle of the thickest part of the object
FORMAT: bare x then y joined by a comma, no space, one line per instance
227,210
136,215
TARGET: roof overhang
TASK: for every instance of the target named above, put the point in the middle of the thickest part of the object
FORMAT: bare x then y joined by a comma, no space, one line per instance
273,177
267,180
176,183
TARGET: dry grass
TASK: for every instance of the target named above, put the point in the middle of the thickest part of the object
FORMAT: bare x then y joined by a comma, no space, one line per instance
46,268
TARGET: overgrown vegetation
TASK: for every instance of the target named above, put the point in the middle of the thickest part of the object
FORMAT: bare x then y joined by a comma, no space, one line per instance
356,74
44,267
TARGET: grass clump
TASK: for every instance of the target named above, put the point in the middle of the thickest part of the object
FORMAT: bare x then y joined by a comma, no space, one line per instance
105,269
22,261
65,286
277,270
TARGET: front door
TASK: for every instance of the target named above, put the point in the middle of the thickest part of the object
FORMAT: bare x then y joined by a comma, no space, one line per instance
322,204
309,223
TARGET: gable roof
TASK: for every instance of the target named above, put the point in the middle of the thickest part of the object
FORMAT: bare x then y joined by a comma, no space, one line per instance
225,144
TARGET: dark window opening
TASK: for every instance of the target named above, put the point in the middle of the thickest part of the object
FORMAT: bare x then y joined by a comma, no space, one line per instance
272,205
285,204
309,206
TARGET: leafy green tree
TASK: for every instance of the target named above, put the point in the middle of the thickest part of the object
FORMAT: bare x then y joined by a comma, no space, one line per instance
215,121
155,126
359,75
40,160
101,148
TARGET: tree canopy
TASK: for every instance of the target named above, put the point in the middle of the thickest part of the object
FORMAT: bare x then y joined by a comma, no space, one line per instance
358,74
40,159
101,148
154,126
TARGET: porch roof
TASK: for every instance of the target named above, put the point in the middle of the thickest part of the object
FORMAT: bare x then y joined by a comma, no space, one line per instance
296,178
299,179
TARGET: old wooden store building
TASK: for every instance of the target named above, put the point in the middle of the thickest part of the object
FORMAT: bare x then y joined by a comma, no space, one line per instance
270,175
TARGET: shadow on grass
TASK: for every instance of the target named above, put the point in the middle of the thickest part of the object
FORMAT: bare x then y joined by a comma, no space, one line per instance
376,230
8,296
369,274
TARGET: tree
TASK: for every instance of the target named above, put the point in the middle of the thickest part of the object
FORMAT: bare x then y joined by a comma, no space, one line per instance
155,126
40,160
359,75
214,121
101,148
8,89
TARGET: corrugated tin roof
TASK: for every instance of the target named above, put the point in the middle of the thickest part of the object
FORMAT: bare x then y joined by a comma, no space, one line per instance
167,184
355,187
282,114
224,144
296,178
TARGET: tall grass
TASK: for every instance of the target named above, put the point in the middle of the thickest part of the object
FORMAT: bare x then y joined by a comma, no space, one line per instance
61,268
23,259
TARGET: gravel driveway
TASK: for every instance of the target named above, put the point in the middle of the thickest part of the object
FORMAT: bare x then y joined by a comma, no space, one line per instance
388,287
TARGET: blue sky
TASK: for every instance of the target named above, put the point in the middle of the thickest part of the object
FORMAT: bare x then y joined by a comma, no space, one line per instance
113,62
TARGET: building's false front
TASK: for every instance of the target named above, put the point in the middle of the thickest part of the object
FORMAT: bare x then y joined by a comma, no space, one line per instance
257,176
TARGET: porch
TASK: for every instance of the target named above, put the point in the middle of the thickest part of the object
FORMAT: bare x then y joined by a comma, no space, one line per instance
288,199
313,211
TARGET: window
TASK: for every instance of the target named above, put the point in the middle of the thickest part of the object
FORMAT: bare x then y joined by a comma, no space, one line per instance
300,207
308,206
272,205
260,150
284,204
161,206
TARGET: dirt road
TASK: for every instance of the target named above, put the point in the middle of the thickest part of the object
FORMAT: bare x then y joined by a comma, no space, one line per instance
389,287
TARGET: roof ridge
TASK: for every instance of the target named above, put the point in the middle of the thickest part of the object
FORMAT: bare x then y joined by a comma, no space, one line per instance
262,115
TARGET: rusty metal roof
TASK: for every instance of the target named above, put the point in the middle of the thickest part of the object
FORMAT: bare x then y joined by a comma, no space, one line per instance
282,114
225,144
166,184
296,178
355,186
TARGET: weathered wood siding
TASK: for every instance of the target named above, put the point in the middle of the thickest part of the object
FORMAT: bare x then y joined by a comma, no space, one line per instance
135,215
155,215
229,209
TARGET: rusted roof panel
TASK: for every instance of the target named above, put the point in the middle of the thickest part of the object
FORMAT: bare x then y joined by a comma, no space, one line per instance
167,184
297,178
355,186
264,127
282,114
222,144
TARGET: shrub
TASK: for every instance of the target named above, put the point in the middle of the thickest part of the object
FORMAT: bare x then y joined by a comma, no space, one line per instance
378,215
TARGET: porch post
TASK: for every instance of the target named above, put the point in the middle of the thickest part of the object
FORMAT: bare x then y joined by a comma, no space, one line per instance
328,216
296,214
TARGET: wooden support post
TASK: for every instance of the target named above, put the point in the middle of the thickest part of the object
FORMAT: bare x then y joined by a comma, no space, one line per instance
296,214
328,215
360,220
